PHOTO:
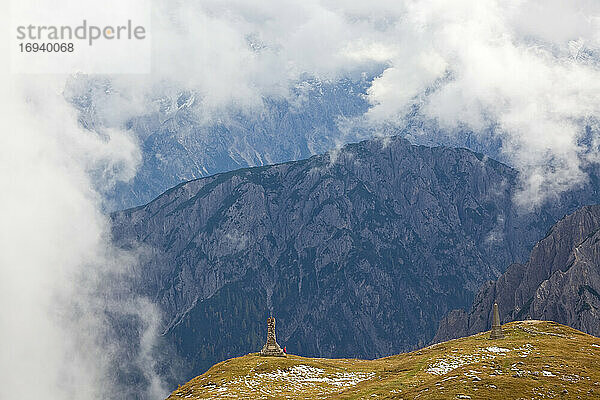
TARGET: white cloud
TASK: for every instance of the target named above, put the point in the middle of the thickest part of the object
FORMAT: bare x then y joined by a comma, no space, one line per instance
508,65
524,66
59,273
468,63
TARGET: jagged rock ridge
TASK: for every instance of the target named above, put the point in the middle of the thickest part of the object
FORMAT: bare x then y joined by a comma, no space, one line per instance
560,282
179,141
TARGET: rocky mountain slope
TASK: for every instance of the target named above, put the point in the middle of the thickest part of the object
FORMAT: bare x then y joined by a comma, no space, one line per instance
180,140
535,360
560,282
357,253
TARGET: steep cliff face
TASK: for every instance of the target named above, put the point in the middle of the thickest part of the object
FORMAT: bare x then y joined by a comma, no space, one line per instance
560,282
358,253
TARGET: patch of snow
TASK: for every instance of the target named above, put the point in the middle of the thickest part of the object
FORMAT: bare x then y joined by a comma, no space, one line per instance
495,349
299,378
451,362
525,350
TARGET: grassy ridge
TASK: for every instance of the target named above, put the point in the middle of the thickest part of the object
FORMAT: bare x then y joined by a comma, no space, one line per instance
536,360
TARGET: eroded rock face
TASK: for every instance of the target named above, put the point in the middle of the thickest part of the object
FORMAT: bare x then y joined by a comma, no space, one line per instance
560,282
180,140
359,253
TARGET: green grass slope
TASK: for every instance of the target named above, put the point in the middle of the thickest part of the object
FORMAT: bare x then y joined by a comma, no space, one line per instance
536,360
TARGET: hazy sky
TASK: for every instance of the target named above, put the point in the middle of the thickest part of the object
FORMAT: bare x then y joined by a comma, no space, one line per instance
530,68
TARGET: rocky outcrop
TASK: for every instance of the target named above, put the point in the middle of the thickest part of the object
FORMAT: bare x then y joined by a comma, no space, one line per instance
560,282
359,253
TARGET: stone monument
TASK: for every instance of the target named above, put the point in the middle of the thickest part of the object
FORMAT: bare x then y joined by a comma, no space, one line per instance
271,348
496,332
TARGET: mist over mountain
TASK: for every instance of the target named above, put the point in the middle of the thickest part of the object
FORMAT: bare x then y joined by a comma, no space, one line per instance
179,140
290,80
357,253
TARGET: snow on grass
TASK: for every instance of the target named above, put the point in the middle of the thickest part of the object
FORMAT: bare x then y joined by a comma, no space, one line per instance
307,374
495,349
296,379
451,362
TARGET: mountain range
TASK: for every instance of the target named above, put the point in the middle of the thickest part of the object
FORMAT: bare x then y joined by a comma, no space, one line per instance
179,140
358,253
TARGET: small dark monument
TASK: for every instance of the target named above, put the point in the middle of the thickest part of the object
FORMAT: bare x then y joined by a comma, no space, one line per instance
496,332
271,348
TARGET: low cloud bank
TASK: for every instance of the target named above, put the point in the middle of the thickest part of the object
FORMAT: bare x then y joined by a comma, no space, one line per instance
525,74
63,287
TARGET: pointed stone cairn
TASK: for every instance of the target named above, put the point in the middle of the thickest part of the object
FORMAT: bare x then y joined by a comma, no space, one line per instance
496,332
271,348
